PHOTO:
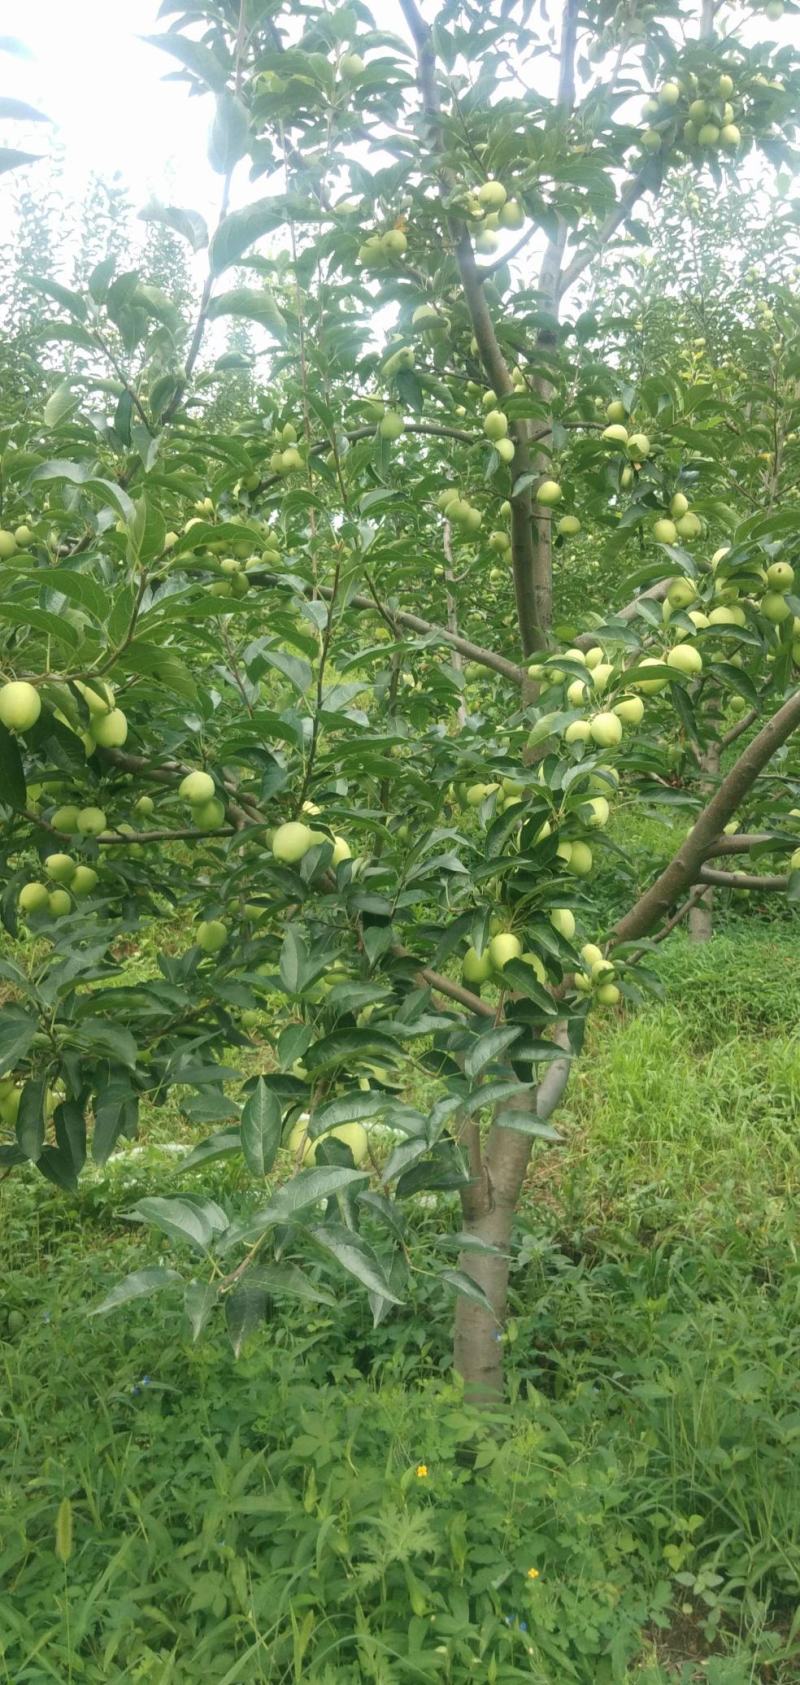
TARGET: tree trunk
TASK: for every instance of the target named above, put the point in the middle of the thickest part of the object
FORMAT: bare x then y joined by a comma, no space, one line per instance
701,915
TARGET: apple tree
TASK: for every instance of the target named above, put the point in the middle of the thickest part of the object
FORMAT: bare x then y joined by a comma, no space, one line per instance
285,679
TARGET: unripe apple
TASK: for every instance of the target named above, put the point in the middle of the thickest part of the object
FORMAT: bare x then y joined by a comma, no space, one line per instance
503,948
212,935
563,920
606,730
548,493
665,531
616,411
391,425
486,242
499,541
145,805
65,818
512,214
608,994
495,425
476,968
576,693
85,880
353,1135
630,710
60,867
196,787
110,730
578,731
626,477
20,705
649,686
341,851
351,66
536,966
679,505
774,607
616,433
730,136
727,615
23,537
780,576
669,93
685,659
505,449
59,903
492,195
91,821
8,545
395,242
601,673
651,140
698,110
600,812
638,446
580,859
725,86
477,793
689,526
591,954
581,982
698,619
33,898
208,816
568,526
708,135
425,315
291,842
594,657
291,460
681,593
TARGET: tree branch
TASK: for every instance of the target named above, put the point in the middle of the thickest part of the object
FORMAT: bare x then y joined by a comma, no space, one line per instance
685,867
741,880
638,185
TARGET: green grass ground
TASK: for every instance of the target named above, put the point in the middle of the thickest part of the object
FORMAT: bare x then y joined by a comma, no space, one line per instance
633,1517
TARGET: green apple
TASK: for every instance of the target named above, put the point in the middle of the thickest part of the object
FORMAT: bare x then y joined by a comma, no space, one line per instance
512,214
110,730
196,787
576,693
601,673
505,449
341,851
20,705
725,86
568,526
580,859
679,505
616,411
548,493
503,948
212,935
639,446
608,994
536,966
689,526
600,811
594,657
774,607
8,545
665,531
495,425
351,66
708,135
33,898
730,136
649,686
208,816
578,731
606,730
395,242
59,903
780,576
91,821
476,968
353,1135
23,537
616,433
65,818
669,93
685,659
591,955
291,842
630,710
726,615
391,425
84,881
681,593
492,195
563,920
60,867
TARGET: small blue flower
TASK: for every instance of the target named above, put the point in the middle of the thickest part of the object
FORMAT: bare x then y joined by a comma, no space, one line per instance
145,1380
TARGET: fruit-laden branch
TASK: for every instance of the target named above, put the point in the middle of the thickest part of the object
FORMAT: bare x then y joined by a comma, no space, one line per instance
686,866
242,809
741,880
527,586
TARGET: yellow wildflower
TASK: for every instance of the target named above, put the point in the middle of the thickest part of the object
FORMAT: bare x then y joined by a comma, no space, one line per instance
422,1471
533,1573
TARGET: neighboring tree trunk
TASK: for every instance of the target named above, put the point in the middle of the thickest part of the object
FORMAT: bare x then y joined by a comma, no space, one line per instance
701,915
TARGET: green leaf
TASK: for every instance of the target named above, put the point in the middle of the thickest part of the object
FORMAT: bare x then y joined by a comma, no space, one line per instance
220,1145
287,1281
199,1300
254,305
261,1129
294,967
61,403
10,159
469,1289
230,133
189,224
140,1284
307,1188
64,296
489,1047
354,1255
30,1118
524,980
239,230
12,773
194,57
527,1123
245,1309
180,1219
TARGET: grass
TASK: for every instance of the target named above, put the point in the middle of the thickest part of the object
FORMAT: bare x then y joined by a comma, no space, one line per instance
264,1520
